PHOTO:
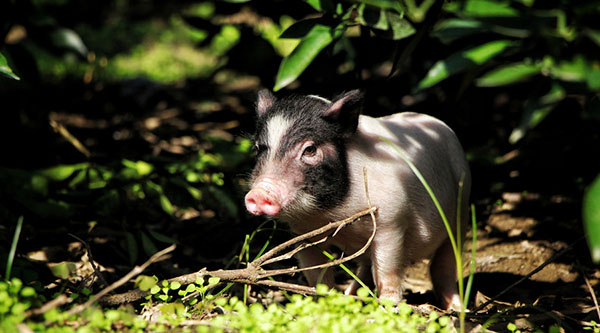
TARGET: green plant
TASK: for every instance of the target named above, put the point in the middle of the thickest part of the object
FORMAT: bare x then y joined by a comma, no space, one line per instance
5,70
15,300
454,240
384,18
481,44
13,248
330,311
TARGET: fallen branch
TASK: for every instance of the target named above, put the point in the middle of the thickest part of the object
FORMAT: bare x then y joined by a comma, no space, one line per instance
255,274
158,256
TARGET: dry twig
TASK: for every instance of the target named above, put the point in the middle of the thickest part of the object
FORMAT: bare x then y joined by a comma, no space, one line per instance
255,274
158,256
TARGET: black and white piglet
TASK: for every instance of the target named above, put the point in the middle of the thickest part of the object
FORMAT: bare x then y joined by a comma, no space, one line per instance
309,171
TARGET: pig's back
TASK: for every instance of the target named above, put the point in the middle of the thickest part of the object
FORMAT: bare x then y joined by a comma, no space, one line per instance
405,208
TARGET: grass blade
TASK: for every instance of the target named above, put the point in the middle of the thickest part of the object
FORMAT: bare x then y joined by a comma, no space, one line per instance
13,248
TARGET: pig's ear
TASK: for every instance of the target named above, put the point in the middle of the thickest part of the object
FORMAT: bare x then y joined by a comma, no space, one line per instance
345,110
264,101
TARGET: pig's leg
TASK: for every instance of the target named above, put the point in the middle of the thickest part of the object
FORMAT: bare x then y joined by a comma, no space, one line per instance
443,276
310,257
364,274
387,266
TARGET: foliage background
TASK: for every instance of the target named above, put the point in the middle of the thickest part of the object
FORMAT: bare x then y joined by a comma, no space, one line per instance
129,125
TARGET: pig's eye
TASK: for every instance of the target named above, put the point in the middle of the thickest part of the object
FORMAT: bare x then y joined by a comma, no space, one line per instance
309,151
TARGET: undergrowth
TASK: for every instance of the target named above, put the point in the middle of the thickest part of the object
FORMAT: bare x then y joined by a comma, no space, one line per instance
330,311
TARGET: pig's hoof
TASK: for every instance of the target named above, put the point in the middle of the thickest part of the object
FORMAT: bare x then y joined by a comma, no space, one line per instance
391,295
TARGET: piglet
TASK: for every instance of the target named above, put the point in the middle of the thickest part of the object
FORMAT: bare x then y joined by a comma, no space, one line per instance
310,154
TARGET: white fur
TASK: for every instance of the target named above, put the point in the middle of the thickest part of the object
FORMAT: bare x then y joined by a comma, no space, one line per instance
277,127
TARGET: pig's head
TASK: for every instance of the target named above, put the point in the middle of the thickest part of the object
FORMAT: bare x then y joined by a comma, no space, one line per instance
300,153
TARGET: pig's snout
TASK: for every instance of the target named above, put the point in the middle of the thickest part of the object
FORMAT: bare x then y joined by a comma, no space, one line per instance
259,202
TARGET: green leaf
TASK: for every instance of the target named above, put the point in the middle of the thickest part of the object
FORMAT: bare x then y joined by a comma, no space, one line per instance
482,8
400,27
166,205
175,285
155,289
301,28
322,5
450,30
463,60
62,172
63,270
572,70
591,218
385,4
213,280
6,70
144,282
535,110
319,37
508,74
372,17
316,4
199,280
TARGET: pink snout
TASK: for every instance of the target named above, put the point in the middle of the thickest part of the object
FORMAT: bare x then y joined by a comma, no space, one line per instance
259,202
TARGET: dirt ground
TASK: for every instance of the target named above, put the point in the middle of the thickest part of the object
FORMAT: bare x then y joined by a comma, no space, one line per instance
518,229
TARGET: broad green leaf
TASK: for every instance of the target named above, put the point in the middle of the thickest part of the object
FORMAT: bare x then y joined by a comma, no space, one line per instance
508,74
316,4
63,270
574,70
155,289
452,29
463,60
482,8
535,110
319,37
399,26
301,28
136,170
166,205
591,218
62,172
144,282
6,70
322,5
